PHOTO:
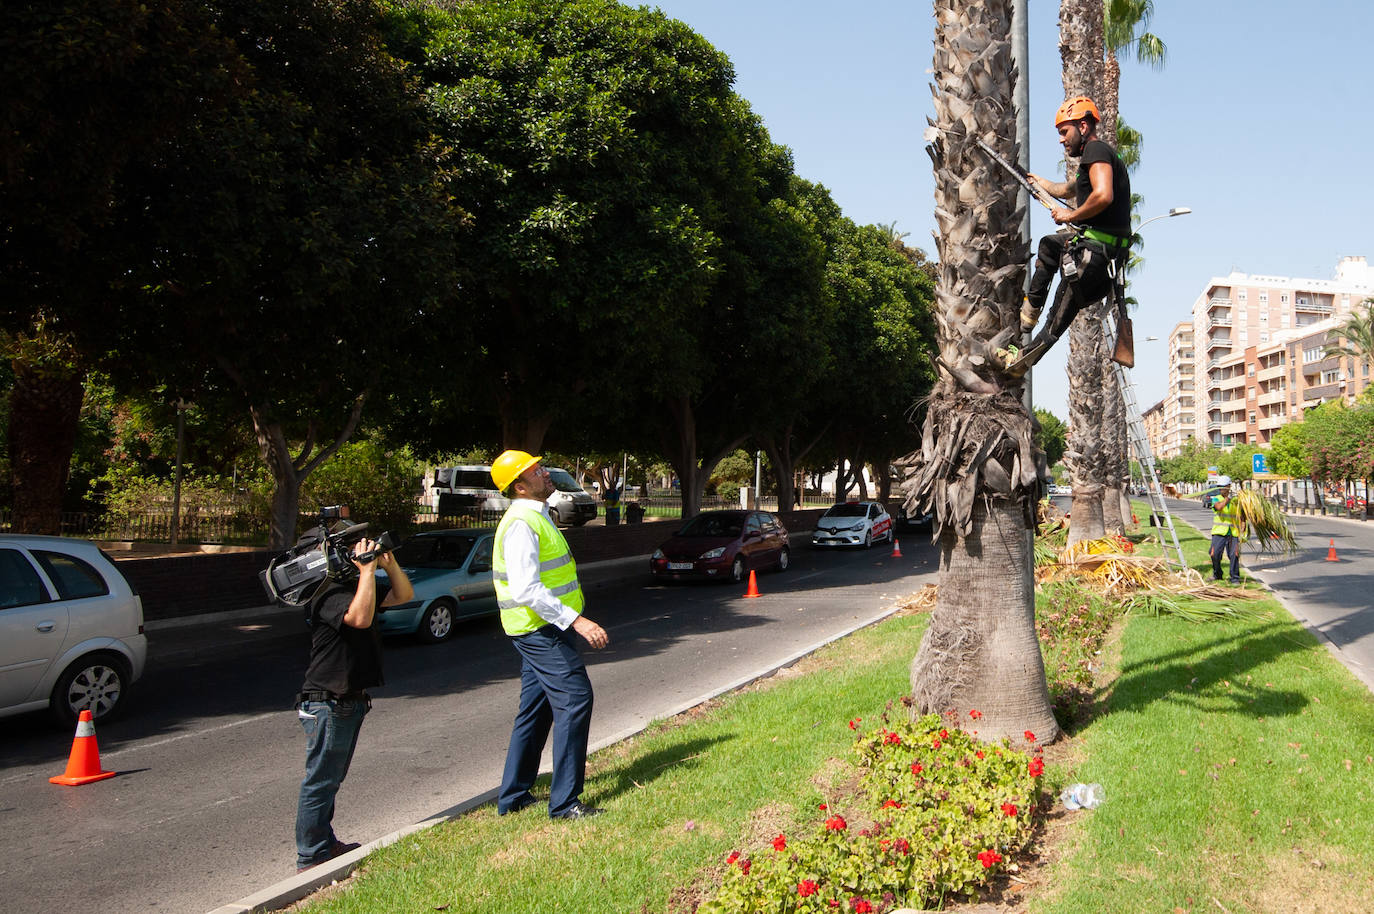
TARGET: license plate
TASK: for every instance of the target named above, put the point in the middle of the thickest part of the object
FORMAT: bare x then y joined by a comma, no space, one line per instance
680,566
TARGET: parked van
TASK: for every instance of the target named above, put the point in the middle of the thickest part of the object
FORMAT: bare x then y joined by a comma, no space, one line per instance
471,490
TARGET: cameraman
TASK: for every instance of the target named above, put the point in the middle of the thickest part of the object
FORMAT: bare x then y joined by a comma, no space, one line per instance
345,659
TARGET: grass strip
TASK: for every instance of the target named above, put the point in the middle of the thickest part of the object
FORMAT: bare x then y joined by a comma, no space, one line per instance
1236,758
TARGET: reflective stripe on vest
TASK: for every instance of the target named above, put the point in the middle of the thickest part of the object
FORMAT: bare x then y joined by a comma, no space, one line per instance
557,570
1227,519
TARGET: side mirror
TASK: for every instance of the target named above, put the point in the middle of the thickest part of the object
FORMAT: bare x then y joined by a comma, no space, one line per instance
479,567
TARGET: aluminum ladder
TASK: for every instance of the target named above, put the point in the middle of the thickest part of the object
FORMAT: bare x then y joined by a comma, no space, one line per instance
1144,454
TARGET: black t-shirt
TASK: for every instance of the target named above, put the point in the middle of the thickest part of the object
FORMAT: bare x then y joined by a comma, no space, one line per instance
343,659
1116,218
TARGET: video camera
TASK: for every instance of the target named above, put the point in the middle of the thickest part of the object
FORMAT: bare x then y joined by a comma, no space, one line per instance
293,577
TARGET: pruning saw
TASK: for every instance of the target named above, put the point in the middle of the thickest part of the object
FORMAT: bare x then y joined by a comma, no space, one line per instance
1046,199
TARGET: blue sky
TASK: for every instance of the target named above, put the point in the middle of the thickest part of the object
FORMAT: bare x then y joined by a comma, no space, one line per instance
1260,122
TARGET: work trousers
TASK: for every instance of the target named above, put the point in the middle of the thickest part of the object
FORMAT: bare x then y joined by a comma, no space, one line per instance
331,732
1225,545
555,692
1093,283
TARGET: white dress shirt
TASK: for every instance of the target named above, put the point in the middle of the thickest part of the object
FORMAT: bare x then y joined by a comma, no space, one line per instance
521,548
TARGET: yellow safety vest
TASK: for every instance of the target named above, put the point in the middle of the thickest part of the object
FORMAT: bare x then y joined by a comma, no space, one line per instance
557,570
1227,520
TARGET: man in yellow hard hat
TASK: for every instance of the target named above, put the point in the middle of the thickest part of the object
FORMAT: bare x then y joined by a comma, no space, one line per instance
1225,532
541,607
1098,243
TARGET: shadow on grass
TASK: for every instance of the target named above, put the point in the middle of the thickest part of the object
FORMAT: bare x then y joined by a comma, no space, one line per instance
626,778
1211,675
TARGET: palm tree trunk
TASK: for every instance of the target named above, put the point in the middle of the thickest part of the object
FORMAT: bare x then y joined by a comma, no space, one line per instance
1084,456
1115,467
975,470
45,413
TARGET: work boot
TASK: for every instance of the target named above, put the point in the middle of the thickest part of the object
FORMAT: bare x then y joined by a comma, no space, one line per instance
1030,315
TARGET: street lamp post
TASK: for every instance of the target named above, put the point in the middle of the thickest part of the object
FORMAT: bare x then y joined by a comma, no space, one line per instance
1176,211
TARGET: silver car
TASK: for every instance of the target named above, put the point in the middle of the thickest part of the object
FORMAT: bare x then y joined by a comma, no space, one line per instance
71,629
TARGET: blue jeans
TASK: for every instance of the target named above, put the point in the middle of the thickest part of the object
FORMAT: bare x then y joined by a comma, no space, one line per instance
556,692
331,733
1228,546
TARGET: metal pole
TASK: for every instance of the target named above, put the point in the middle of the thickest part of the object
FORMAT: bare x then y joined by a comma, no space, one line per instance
758,477
176,481
1020,55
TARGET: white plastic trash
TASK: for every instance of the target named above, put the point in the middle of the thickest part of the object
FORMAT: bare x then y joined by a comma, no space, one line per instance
1082,796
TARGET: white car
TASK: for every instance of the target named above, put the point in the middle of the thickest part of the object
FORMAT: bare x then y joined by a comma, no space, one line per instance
854,523
71,629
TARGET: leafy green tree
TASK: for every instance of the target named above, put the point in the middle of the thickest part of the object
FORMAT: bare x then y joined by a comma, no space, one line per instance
1288,450
377,482
1052,436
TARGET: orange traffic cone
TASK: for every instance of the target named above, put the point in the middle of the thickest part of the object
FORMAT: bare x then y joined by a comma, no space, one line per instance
753,590
83,766
1331,552
896,548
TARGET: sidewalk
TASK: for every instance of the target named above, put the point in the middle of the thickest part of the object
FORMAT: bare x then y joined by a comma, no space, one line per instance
242,632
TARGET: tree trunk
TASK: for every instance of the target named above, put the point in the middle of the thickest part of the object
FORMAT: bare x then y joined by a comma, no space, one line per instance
45,413
1115,467
976,470
981,652
681,444
1084,455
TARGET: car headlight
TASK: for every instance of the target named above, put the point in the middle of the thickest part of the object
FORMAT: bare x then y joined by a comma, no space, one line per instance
658,555
713,553
858,526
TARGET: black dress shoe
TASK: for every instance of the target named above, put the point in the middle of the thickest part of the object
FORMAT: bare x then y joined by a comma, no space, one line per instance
578,810
337,849
523,803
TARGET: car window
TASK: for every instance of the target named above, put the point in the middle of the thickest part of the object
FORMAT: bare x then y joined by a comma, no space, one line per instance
482,556
713,525
73,578
845,510
873,511
20,585
563,481
752,524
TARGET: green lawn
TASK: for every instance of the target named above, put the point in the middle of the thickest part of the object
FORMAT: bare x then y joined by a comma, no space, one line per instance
1237,759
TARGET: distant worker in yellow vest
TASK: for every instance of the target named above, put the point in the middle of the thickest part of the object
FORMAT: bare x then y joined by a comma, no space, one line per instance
541,607
1225,531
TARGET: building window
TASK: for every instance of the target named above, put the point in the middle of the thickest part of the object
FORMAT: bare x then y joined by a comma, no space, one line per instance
1283,298
1240,296
1283,320
1264,336
1331,376
1264,317
1311,355
1264,298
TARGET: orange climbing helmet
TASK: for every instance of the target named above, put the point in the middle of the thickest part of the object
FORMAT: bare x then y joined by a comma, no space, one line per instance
1075,109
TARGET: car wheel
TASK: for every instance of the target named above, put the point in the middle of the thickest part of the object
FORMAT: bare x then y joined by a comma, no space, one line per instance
737,569
95,683
784,559
437,622
868,538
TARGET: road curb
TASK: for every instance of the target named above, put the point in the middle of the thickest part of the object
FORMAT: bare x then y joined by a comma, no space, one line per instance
293,889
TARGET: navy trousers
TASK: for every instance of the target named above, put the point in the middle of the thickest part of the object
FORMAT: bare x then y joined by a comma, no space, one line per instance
555,692
1225,547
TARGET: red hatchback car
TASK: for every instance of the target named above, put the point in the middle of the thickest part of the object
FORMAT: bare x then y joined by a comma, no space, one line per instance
724,545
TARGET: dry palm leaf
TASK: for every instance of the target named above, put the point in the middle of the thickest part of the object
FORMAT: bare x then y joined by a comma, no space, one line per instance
1262,520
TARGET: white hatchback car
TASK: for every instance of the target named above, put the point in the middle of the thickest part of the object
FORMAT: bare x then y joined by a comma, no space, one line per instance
71,629
854,523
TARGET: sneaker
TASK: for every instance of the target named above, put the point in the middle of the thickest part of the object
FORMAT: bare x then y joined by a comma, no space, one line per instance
337,849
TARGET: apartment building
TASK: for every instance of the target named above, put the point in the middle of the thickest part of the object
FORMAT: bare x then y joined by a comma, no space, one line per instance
1257,360
1177,422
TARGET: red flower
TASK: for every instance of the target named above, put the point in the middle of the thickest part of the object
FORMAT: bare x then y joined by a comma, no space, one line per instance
861,906
935,744
780,842
807,887
836,823
734,855
891,738
744,865
902,845
917,768
891,804
1009,809
822,806
944,734
1030,737
854,724
1036,767
975,714
989,858
834,902
979,753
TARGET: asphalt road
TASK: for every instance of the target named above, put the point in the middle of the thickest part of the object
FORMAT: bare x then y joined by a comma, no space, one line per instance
1334,599
209,754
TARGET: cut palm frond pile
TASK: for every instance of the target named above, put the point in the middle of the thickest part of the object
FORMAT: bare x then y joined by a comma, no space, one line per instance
1144,584
1261,520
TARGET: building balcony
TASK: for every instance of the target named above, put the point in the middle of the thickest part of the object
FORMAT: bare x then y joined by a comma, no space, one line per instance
1313,307
1218,343
1269,423
1233,428
1218,321
1268,374
1273,396
1324,392
1219,303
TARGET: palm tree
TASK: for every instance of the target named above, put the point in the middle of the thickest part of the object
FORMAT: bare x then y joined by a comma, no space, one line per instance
1124,25
1081,50
976,468
1356,335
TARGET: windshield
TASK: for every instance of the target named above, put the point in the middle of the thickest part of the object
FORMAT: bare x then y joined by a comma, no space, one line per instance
435,551
714,525
563,481
847,510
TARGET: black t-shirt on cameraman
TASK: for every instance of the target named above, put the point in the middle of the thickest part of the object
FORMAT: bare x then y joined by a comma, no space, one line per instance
343,659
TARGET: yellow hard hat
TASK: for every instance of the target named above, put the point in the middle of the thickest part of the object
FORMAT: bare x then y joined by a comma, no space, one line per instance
510,465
